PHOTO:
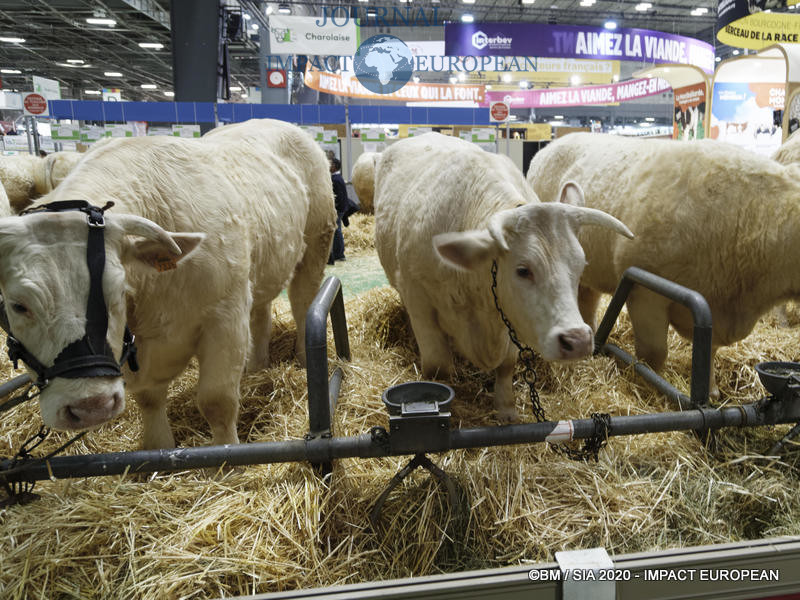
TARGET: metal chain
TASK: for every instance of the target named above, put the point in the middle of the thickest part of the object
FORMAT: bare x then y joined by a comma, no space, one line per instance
592,445
21,491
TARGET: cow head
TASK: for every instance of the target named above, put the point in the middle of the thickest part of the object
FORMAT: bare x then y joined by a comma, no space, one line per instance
44,281
539,263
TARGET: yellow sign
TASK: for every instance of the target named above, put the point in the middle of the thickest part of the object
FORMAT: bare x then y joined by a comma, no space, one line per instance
761,30
552,72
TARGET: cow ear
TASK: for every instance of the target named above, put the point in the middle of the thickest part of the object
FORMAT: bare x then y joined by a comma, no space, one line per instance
571,193
160,255
465,250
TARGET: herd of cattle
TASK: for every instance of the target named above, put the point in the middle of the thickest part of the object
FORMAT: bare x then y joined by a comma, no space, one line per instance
205,234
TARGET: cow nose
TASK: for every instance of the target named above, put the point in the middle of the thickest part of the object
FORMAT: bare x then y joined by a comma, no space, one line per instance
575,343
92,411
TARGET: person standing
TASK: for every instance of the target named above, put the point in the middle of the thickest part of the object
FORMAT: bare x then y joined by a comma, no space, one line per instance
342,202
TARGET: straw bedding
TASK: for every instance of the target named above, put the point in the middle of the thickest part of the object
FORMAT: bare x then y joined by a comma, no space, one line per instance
277,527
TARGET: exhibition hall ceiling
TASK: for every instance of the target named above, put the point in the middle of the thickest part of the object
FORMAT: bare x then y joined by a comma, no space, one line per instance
57,35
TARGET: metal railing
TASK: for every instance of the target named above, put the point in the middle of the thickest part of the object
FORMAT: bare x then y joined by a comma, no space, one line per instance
701,337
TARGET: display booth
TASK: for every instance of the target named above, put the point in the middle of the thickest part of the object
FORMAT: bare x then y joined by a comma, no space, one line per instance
748,97
690,87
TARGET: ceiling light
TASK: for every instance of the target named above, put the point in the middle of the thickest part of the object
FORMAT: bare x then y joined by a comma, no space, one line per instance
149,86
169,94
112,74
235,88
363,0
153,45
254,26
371,12
717,59
75,61
575,79
698,11
735,52
284,9
643,6
523,84
247,17
462,76
644,124
92,92
467,18
587,2
651,119
528,1
452,80
269,9
104,21
10,71
12,40
243,96
73,66
468,1
610,24
416,78
506,77
558,116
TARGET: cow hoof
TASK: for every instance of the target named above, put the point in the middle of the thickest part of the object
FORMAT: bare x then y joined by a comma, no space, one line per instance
507,415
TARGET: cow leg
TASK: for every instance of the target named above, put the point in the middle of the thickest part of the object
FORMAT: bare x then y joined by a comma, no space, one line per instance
221,358
588,299
260,331
504,402
156,432
305,284
434,349
650,319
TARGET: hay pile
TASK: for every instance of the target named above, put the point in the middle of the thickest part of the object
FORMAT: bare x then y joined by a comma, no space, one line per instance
359,237
271,528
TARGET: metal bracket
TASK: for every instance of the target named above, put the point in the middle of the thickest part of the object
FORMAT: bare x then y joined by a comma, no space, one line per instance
420,460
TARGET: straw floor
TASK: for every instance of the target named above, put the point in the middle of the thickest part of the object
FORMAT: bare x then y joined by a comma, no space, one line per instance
277,527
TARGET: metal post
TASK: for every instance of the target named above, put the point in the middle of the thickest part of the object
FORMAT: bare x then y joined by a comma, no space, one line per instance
508,140
28,133
348,142
35,133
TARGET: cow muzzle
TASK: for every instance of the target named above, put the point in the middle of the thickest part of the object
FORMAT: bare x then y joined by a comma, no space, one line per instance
89,412
577,342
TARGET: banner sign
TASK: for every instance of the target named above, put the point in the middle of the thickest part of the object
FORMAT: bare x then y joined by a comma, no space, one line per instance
743,24
49,88
335,83
569,41
307,35
748,115
690,112
580,96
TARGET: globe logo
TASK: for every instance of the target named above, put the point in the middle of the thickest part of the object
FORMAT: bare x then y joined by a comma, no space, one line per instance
383,64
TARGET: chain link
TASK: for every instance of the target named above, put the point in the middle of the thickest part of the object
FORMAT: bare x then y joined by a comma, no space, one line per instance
602,421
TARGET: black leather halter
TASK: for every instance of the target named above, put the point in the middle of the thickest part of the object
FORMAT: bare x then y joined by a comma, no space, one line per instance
90,356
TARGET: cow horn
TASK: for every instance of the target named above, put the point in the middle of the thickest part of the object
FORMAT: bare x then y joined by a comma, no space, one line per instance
497,228
136,225
591,216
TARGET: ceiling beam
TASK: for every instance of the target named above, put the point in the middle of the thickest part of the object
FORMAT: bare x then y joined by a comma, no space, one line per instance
151,9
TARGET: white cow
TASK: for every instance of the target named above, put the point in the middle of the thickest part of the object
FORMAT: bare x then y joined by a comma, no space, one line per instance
444,211
249,207
364,180
711,216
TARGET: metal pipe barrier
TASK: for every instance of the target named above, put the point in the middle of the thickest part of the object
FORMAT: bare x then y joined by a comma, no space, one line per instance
769,411
701,335
323,393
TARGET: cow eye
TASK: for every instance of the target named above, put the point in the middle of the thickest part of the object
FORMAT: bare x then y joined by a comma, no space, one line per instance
19,308
524,272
